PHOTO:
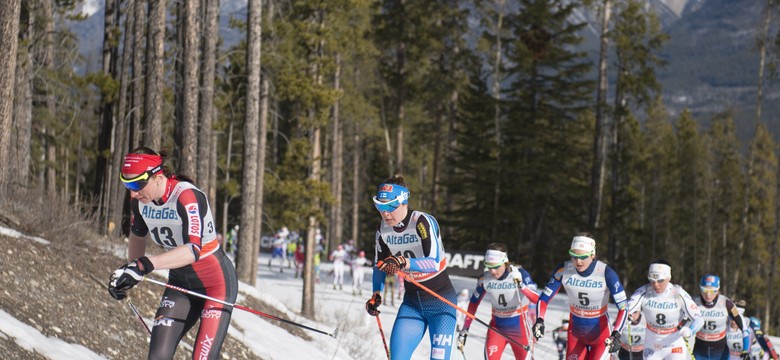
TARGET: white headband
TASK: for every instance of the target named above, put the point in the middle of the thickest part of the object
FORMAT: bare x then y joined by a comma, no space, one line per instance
495,257
583,243
659,271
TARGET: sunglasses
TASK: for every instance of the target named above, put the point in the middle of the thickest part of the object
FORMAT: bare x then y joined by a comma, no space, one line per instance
707,291
578,256
139,182
659,281
492,266
388,206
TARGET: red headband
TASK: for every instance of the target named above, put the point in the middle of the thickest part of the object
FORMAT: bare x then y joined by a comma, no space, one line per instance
139,163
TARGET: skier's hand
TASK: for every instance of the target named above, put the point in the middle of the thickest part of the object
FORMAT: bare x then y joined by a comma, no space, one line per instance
538,328
685,332
127,276
744,355
392,264
372,304
462,338
613,342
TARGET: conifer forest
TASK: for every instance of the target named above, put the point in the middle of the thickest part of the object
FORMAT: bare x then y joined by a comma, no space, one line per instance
503,127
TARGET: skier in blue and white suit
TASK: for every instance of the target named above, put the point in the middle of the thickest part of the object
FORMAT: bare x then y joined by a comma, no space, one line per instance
409,241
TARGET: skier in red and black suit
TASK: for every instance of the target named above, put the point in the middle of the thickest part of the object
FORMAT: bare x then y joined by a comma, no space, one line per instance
177,216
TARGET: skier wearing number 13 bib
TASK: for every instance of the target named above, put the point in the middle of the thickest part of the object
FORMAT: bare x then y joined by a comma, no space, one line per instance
177,216
589,283
410,242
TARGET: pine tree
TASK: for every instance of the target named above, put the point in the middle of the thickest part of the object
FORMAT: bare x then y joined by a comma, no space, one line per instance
547,120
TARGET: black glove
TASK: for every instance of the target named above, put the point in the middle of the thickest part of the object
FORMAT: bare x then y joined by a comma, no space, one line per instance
538,328
392,264
464,334
372,304
613,342
126,276
744,355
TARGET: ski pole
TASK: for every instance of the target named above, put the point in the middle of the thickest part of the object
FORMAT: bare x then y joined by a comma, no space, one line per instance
421,286
236,306
138,315
130,303
382,332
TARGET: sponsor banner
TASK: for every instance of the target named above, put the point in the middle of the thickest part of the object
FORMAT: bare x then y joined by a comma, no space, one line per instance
466,263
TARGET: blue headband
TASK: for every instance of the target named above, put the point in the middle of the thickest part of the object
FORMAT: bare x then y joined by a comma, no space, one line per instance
391,192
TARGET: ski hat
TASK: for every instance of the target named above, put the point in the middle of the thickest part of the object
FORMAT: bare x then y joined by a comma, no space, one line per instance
659,271
583,243
495,258
710,281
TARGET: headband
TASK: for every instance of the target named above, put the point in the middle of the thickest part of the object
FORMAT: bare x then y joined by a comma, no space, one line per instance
659,271
393,191
140,163
495,257
583,243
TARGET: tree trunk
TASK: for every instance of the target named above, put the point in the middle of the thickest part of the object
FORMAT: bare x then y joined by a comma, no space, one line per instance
337,165
247,251
190,93
120,137
155,50
110,53
9,35
136,113
48,64
261,149
307,301
23,107
356,152
206,112
600,132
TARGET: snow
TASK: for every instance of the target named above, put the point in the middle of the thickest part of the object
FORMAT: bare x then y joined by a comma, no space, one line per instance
338,311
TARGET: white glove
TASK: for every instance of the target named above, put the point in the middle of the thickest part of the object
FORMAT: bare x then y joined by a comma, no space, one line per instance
685,332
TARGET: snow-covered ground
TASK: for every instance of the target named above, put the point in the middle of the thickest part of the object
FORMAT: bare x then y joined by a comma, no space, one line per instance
357,338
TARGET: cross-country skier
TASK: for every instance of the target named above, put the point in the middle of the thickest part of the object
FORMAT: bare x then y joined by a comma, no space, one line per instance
633,338
177,216
509,293
589,283
716,311
665,306
766,344
409,241
338,257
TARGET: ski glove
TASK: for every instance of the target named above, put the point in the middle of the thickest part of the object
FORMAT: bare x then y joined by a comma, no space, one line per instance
538,328
392,264
744,355
685,332
462,338
613,342
372,304
127,276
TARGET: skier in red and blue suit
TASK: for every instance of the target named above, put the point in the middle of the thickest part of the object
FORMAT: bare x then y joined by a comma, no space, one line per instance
588,283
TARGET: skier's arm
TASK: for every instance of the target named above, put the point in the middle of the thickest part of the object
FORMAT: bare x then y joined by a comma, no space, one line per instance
474,301
549,292
733,313
523,283
381,251
428,230
691,310
618,296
